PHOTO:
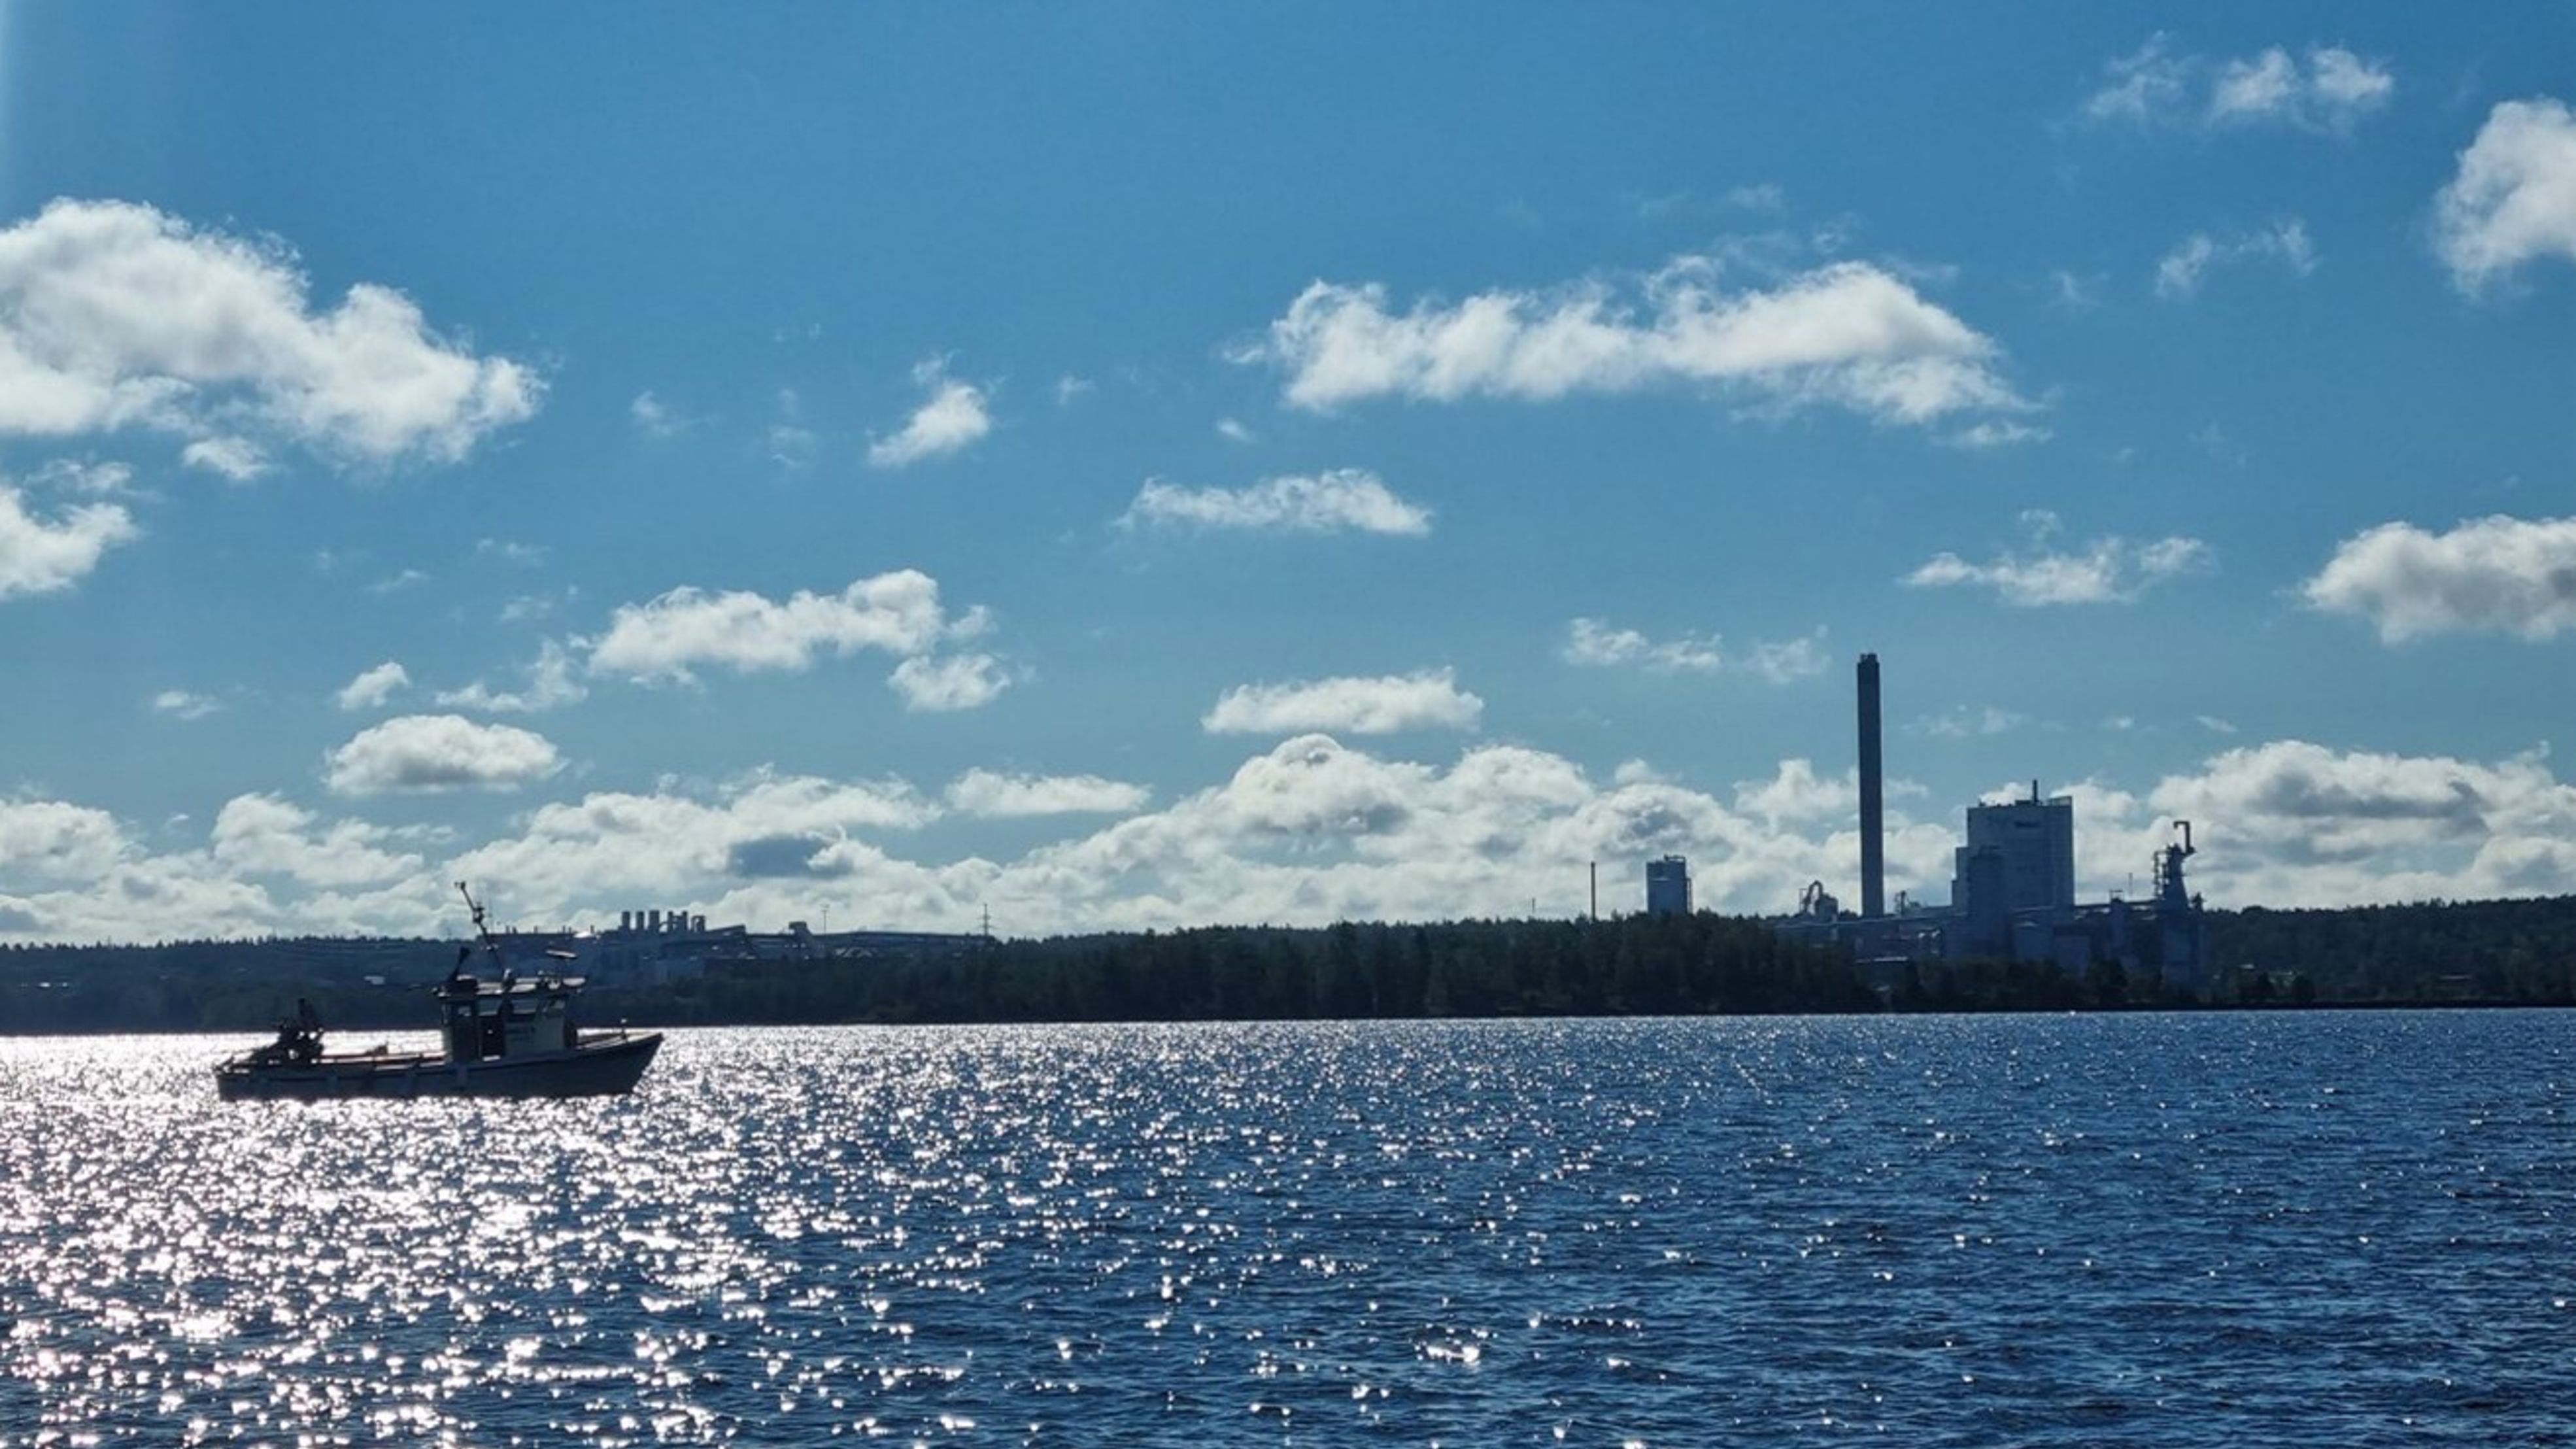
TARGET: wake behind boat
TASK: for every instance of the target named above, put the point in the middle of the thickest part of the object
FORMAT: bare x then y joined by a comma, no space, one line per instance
506,1037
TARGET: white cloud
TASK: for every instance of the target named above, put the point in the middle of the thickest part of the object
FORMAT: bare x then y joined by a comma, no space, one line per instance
1848,334
690,628
511,552
2509,575
40,556
613,850
2291,823
1964,723
1235,432
986,793
1796,793
527,608
2326,90
2181,270
80,476
115,315
181,704
1991,434
1597,645
425,753
1343,499
1427,699
239,459
2145,85
652,416
266,835
954,417
396,582
54,840
2514,198
790,443
2109,570
1305,832
551,685
1782,660
374,686
935,684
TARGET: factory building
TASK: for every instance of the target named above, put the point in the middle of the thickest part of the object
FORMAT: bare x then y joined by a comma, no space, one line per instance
2012,890
648,947
1668,887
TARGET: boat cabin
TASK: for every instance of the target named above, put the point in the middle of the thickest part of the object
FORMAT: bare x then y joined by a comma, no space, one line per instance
486,1020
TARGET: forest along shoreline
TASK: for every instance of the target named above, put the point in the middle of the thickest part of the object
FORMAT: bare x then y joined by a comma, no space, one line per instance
2438,953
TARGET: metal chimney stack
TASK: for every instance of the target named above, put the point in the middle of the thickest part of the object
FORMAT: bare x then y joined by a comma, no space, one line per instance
1873,817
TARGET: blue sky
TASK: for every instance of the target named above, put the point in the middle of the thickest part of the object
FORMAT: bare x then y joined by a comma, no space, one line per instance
1147,465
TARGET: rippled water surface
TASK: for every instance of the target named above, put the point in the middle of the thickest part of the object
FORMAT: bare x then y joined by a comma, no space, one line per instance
2330,1229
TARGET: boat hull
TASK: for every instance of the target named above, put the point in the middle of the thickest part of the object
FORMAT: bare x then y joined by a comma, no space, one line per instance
602,1069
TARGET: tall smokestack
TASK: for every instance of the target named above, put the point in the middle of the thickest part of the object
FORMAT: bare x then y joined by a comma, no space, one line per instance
1873,817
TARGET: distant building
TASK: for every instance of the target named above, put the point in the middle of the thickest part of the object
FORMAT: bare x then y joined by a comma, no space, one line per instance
1668,887
2020,856
2012,891
652,946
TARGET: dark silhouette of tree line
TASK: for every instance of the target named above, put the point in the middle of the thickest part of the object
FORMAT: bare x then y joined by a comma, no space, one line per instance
2489,951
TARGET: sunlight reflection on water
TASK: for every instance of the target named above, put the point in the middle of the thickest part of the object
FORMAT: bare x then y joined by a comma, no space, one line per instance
2211,1230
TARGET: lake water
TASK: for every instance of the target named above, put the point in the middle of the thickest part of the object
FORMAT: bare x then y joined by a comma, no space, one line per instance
2328,1229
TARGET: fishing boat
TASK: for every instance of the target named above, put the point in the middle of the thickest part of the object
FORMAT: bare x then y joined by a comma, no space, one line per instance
507,1035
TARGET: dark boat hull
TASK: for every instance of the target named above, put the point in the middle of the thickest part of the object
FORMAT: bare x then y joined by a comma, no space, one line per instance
603,1069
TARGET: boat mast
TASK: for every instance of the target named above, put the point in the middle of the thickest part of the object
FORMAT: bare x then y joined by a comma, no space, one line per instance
491,947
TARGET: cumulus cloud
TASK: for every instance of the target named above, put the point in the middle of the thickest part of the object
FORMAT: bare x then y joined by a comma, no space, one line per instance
609,849
2327,89
184,704
652,416
2109,570
2293,823
374,686
2507,575
1781,660
1341,500
428,753
1989,435
1964,723
952,418
1597,644
55,840
115,315
1849,334
790,443
690,628
40,555
2180,272
80,475
937,684
2514,197
987,793
1426,699
267,835
550,685
1306,831
238,459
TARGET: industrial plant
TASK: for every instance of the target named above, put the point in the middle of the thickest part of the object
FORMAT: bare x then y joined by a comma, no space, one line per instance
2012,890
649,947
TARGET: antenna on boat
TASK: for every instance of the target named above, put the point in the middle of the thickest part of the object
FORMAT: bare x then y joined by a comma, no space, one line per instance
481,929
